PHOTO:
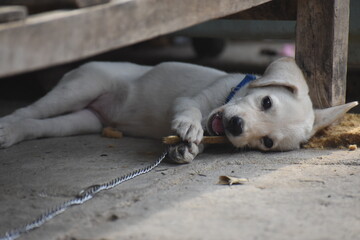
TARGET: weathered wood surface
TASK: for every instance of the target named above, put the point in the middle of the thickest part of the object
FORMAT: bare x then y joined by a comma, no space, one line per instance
322,48
65,36
12,13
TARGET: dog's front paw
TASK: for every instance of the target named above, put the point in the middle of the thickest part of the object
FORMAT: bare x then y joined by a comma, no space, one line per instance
188,129
183,152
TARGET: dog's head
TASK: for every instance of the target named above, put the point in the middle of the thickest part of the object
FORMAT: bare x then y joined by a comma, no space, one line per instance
276,112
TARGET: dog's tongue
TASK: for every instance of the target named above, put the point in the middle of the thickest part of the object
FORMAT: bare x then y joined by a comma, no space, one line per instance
217,125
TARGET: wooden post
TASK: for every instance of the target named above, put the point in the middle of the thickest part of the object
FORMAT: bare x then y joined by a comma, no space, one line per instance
322,48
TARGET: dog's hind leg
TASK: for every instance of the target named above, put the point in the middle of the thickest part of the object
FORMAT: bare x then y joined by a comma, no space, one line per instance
81,122
79,88
74,92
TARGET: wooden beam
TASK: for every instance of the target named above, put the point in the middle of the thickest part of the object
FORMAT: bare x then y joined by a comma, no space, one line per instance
322,48
59,37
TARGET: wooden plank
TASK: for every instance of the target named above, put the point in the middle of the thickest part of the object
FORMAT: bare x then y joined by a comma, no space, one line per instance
65,36
12,13
274,10
322,48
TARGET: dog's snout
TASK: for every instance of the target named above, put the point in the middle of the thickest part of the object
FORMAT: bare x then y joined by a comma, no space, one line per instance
235,126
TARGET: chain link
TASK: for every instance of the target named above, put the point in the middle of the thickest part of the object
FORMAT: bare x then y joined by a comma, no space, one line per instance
83,196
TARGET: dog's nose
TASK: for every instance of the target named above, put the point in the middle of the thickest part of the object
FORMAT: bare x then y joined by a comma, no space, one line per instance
235,126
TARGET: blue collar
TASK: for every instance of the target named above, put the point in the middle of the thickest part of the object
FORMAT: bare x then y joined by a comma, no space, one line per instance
247,79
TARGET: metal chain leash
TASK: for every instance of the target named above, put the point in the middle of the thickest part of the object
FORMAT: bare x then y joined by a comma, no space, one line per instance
82,197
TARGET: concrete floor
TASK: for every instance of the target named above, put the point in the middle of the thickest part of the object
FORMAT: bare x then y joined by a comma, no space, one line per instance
303,194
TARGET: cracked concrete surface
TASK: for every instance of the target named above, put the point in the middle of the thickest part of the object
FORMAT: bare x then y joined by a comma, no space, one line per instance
303,194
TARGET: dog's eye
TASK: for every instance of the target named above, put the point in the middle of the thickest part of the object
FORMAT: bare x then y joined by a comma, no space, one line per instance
266,103
268,142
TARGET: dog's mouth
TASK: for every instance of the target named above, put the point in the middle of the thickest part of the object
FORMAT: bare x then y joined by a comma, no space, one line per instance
215,125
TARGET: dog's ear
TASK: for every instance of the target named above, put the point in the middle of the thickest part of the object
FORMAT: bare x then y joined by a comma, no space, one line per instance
285,73
325,117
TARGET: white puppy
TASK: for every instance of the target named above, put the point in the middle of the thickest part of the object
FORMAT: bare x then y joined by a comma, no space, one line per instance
272,112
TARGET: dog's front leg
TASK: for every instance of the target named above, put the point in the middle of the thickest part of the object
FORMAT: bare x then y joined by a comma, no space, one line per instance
187,120
187,124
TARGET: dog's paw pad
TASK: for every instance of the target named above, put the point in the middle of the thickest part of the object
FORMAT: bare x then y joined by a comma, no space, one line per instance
183,152
188,130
